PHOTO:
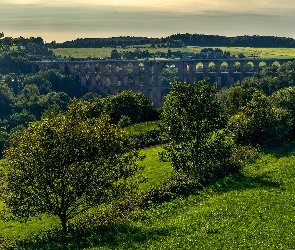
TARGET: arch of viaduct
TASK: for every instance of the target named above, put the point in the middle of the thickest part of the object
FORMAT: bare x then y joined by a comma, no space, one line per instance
107,77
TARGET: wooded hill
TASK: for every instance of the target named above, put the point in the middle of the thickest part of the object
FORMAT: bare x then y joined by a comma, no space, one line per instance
180,40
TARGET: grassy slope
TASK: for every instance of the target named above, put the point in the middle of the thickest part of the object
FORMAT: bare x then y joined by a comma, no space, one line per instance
251,210
155,172
106,52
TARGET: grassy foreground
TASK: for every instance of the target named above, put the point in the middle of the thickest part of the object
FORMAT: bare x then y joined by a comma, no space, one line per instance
251,210
247,51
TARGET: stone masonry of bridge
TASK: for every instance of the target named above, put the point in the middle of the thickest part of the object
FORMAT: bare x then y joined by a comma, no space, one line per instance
109,77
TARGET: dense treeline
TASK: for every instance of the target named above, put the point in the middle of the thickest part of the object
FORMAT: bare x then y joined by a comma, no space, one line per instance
239,41
180,40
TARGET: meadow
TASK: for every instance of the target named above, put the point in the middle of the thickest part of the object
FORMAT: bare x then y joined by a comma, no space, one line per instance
254,209
106,52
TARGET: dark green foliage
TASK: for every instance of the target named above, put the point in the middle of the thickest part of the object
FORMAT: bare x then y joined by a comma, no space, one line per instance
62,82
285,99
134,105
7,100
43,84
260,123
238,97
4,140
18,119
148,138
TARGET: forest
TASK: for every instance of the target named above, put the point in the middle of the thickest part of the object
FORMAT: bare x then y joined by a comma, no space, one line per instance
181,40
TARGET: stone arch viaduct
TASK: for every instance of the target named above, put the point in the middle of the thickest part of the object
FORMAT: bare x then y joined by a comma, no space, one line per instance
152,77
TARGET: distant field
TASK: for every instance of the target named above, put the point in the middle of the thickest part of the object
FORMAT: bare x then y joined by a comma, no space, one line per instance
106,52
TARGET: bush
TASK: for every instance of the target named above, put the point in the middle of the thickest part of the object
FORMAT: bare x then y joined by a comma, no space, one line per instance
191,120
260,123
147,138
134,105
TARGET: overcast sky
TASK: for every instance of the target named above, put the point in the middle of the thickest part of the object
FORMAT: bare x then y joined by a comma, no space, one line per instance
63,20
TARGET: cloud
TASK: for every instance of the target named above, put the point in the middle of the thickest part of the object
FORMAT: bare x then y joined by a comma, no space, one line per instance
66,20
190,6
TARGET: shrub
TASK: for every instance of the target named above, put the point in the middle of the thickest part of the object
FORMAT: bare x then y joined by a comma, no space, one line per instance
260,123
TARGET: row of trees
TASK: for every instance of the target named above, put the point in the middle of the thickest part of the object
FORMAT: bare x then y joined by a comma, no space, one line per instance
179,41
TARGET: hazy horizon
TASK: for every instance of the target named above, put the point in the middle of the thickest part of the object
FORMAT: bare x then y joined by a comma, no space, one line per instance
68,20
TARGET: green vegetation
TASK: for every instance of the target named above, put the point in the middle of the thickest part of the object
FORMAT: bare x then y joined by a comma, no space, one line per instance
250,210
191,123
65,165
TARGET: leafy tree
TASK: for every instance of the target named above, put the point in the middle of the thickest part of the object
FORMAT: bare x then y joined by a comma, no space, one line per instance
260,123
285,99
5,45
60,99
134,105
7,100
22,118
65,165
44,85
237,97
191,119
4,140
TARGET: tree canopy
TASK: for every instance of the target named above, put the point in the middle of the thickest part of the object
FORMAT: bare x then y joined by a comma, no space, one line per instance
191,120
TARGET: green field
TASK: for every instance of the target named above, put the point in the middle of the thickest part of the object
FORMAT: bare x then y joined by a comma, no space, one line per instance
251,210
106,52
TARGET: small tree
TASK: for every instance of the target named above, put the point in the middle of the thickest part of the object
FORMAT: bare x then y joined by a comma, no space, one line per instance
5,46
261,123
191,118
136,106
65,165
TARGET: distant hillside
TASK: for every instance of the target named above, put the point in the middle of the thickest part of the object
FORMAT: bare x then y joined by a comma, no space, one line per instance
180,40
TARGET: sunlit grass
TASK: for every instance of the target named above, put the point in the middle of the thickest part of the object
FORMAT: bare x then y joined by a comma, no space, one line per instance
155,170
142,127
247,51
251,210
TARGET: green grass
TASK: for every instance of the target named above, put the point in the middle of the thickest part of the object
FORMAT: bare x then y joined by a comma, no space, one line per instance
155,171
251,210
247,51
254,209
142,127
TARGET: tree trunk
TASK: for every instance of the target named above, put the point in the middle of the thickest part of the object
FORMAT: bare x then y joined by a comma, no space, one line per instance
64,221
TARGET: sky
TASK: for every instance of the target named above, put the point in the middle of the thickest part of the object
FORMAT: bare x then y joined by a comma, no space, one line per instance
66,20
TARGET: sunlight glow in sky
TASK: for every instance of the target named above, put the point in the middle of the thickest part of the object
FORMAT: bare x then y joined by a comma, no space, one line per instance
66,20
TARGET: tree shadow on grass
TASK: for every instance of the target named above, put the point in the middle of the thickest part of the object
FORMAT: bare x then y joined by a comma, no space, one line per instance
121,235
124,235
285,150
240,182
